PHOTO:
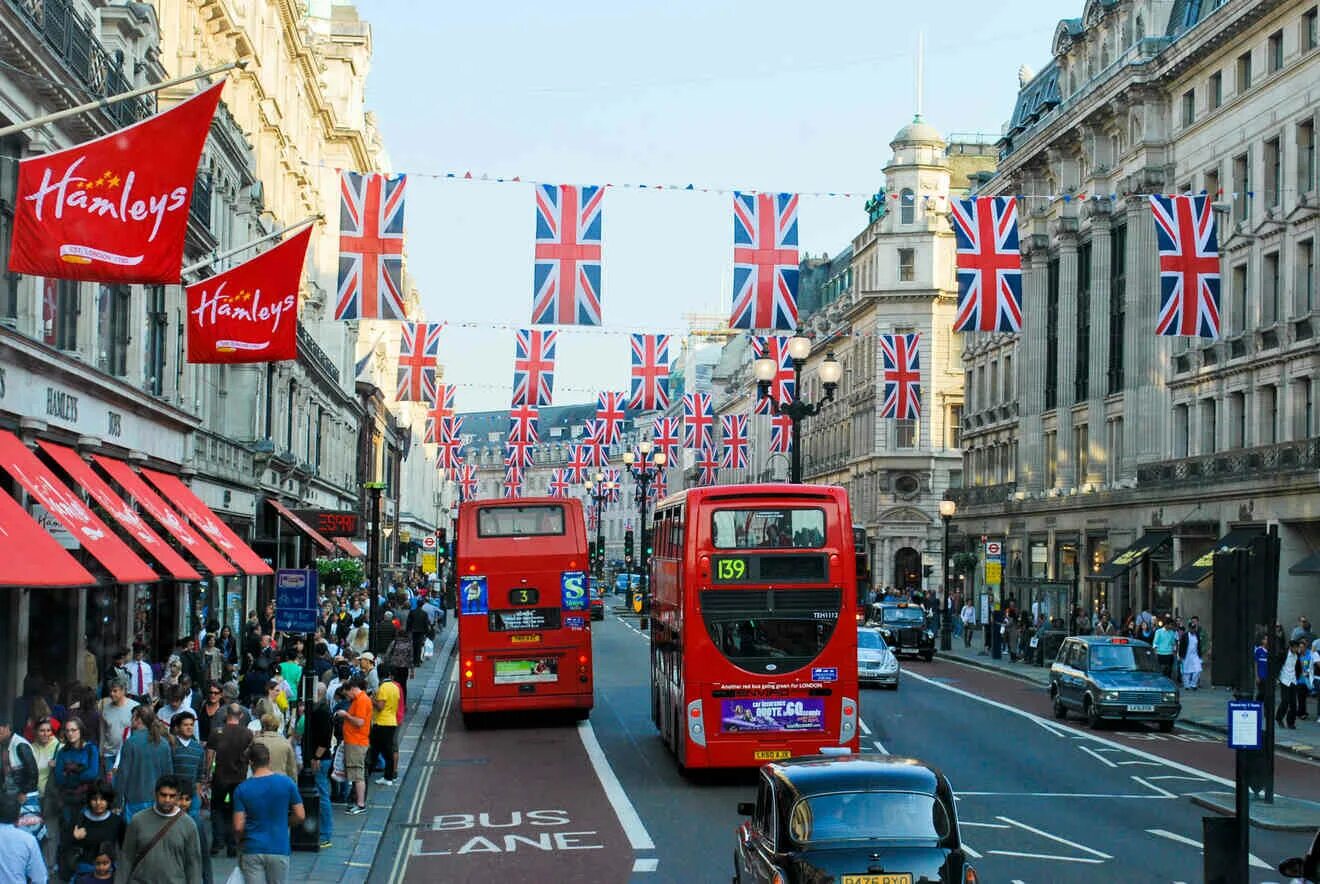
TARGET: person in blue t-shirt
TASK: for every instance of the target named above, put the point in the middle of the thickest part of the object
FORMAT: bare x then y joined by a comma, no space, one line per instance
266,804
1262,657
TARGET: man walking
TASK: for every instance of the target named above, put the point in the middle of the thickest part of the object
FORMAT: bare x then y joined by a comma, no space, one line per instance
161,844
357,736
316,746
1166,643
20,857
116,719
266,804
385,725
968,618
226,754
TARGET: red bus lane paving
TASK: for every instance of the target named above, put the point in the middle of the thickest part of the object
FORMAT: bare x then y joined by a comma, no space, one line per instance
1207,753
519,803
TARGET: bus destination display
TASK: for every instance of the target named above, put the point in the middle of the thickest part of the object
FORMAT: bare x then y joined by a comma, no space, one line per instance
525,619
799,568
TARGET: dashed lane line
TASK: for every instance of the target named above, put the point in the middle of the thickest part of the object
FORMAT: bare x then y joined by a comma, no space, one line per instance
880,747
1255,861
866,729
1148,784
1050,856
1064,841
629,819
1097,756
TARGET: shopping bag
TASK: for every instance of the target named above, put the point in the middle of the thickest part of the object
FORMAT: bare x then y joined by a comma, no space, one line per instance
337,771
428,649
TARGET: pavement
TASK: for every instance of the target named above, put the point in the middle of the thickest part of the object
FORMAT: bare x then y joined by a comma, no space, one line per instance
356,838
1203,709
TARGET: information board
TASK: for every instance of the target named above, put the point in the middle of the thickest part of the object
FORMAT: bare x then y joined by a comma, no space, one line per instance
295,600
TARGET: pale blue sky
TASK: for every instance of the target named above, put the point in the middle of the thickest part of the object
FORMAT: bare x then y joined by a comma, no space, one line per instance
766,95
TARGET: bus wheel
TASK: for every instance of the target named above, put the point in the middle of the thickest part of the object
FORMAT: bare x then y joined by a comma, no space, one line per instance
581,714
470,721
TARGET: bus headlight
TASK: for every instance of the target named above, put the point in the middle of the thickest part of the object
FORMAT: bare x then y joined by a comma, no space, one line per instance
696,730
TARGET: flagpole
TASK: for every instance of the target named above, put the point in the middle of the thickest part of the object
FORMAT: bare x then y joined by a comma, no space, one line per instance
193,268
123,96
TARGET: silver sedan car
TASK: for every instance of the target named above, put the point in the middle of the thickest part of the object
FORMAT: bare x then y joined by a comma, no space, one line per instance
876,663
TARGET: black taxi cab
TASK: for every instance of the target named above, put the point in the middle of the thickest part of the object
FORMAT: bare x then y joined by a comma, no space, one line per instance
905,628
860,819
1112,677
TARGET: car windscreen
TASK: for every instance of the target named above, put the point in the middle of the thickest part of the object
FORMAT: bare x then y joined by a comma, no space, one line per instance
912,615
908,817
768,527
520,521
870,640
1125,658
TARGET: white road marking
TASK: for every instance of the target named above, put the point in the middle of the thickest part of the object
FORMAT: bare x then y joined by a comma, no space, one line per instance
1147,763
1055,857
1255,861
880,747
647,864
866,729
632,824
1150,785
1051,728
1044,834
1031,716
967,849
984,825
1097,756
1174,777
962,794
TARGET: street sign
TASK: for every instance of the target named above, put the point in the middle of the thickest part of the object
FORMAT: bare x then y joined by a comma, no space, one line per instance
993,549
1244,724
428,563
429,542
295,600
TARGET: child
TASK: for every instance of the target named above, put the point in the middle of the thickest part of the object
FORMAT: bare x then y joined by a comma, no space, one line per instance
186,799
103,865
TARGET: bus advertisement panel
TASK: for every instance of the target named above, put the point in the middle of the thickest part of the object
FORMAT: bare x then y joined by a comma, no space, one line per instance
753,633
524,620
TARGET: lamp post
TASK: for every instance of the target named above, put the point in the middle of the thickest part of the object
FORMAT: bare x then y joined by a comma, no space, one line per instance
599,491
644,470
799,348
947,509
373,564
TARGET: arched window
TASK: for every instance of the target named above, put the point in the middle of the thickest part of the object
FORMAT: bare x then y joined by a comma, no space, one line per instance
907,206
1141,28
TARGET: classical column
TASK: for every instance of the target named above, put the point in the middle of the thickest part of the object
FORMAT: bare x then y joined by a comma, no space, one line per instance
1098,352
1066,333
1147,403
1031,364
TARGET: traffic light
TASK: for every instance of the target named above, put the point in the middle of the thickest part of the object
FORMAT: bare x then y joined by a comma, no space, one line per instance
628,545
591,551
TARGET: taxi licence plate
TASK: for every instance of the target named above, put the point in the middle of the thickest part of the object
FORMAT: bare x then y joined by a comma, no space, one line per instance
1142,707
903,878
525,639
770,754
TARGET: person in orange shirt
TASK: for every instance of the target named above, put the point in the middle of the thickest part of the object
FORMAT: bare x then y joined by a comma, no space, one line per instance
357,736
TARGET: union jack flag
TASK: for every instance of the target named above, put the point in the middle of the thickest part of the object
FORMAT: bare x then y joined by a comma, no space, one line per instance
765,260
467,481
657,489
534,367
734,429
517,454
442,406
781,434
513,479
522,424
614,484
580,462
707,467
989,264
567,270
558,485
370,246
901,373
650,372
1189,266
451,442
419,348
664,435
698,421
610,415
594,442
782,384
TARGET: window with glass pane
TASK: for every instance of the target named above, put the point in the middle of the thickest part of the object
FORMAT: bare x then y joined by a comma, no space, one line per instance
1269,414
1305,276
1301,411
1189,107
1274,46
1240,295
1081,454
1273,173
955,426
906,265
1052,334
1237,420
1051,459
1216,90
905,434
1210,183
157,340
113,335
1180,431
1271,292
1243,72
1117,306
1082,360
1310,39
1241,184
1306,156
907,206
1209,426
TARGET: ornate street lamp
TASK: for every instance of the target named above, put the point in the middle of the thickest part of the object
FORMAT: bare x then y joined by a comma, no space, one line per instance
599,491
829,372
644,471
947,509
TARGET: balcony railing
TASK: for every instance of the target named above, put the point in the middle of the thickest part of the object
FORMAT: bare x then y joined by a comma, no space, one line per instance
308,347
1229,466
73,38
981,495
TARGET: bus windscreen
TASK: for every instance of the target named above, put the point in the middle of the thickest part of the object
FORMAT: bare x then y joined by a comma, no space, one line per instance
520,521
768,527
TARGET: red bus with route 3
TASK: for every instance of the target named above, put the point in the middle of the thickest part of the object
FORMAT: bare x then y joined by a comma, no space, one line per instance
524,619
753,624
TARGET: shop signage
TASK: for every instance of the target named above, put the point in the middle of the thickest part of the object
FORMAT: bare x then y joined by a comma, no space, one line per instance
331,523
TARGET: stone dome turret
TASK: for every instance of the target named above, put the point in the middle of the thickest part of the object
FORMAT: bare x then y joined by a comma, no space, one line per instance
918,132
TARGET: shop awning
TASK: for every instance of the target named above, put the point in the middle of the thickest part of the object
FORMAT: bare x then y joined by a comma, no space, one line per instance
1308,565
1119,564
307,530
1192,573
209,523
31,557
69,510
350,547
133,485
82,473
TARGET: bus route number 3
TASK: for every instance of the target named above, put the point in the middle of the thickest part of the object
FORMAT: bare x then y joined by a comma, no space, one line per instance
730,569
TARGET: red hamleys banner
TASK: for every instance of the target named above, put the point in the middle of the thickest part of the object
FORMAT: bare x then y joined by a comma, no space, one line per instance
114,209
249,313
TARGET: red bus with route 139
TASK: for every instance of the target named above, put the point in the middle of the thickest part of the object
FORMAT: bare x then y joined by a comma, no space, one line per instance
524,619
753,624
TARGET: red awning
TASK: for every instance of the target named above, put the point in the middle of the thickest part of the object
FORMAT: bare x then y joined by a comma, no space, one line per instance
69,510
82,473
349,547
31,557
209,523
293,519
134,487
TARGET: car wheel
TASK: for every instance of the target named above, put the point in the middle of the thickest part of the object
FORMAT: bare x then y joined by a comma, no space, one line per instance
1091,714
894,686
1060,710
928,657
1166,727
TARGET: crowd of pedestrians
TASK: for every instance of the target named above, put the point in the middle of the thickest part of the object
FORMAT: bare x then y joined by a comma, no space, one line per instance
147,771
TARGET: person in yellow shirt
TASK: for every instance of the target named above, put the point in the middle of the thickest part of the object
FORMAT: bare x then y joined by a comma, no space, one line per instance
385,727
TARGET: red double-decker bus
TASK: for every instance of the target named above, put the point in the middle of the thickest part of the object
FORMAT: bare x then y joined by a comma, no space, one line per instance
524,619
753,624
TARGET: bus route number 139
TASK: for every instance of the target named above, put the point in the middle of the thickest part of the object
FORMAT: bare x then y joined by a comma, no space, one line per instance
730,569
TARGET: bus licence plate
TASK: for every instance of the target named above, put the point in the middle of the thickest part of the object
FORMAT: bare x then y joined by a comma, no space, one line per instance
525,639
903,878
770,754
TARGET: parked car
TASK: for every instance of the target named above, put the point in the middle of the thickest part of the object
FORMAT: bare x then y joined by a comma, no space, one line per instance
875,662
905,628
863,818
1112,677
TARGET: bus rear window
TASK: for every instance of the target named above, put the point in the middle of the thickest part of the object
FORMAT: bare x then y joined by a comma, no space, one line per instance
520,521
770,527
